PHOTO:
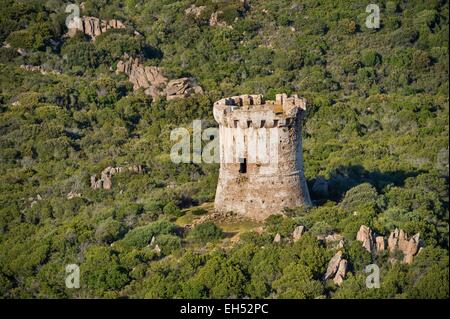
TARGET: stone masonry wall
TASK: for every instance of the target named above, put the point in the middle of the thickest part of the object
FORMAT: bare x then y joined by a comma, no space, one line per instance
270,183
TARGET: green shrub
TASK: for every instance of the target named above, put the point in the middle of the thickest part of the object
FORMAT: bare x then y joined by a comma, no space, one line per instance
21,39
358,256
36,37
370,58
109,231
102,272
172,209
80,54
360,197
168,243
206,232
297,283
421,60
7,55
350,64
141,236
348,26
129,211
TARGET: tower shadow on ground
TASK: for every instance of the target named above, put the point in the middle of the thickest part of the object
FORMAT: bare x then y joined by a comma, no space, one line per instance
344,178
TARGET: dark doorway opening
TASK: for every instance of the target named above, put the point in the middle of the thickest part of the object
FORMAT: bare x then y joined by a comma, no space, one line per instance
242,165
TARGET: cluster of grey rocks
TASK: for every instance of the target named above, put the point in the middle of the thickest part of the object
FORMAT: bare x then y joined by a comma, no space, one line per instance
153,81
105,179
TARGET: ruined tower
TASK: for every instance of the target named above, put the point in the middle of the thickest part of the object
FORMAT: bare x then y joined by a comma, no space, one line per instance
261,159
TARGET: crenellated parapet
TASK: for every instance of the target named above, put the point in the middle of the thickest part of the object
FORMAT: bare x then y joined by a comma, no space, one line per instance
253,111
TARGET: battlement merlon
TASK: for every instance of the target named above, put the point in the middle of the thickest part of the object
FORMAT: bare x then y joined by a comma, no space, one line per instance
253,111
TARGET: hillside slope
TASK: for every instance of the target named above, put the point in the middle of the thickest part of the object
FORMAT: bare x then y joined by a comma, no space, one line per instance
375,146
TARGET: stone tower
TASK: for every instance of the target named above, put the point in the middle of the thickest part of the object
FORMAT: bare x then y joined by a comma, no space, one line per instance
261,159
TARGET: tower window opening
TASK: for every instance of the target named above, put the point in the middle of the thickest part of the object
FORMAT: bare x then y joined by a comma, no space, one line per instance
242,165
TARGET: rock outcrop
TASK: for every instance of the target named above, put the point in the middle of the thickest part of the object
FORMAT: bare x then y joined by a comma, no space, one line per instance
214,20
298,232
364,235
180,88
38,68
331,237
380,243
340,273
34,201
333,265
73,194
398,241
93,26
277,238
340,244
332,240
105,180
150,78
195,11
337,269
153,81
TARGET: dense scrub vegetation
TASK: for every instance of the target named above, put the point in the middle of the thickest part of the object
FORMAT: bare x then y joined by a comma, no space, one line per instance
376,130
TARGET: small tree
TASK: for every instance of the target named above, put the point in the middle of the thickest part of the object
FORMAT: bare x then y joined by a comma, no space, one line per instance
206,232
172,209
